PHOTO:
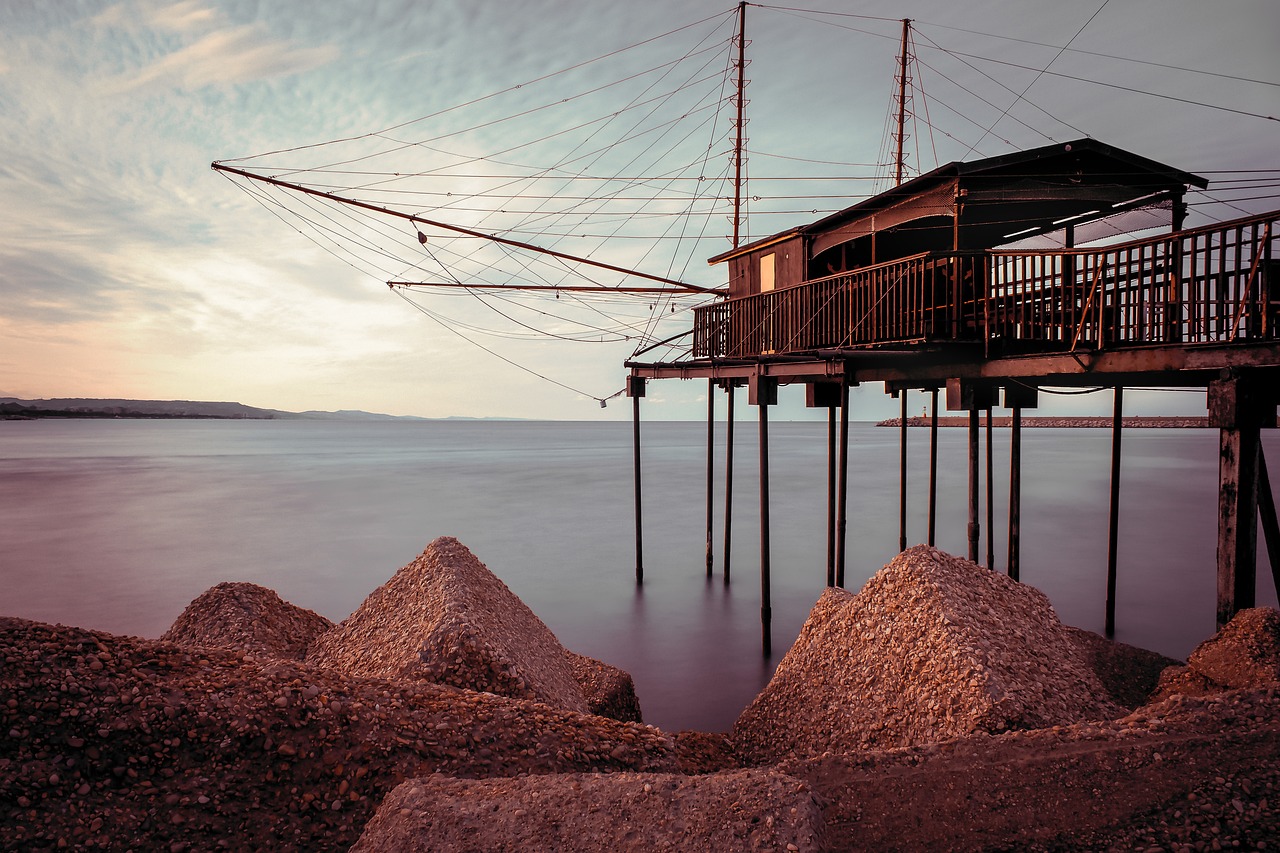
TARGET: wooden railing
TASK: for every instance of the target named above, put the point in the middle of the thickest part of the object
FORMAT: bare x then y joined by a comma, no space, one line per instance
1207,285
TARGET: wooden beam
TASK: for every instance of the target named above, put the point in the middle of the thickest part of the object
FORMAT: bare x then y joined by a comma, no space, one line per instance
1113,516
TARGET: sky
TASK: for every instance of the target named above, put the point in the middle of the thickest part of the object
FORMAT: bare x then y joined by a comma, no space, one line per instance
130,269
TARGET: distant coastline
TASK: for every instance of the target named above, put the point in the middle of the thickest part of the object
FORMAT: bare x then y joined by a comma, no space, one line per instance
1139,422
14,408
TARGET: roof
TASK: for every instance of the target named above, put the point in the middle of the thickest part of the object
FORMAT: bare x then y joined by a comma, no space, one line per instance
1143,175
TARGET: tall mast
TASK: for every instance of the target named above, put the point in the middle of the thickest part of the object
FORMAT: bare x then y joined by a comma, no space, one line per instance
902,103
740,141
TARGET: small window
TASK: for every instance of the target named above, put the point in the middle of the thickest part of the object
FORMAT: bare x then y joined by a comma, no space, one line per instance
766,272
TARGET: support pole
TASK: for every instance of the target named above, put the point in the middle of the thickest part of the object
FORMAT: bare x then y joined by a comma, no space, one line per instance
975,528
902,473
933,462
991,504
766,613
843,510
635,388
1270,524
1015,489
831,496
1239,408
711,467
1113,519
728,480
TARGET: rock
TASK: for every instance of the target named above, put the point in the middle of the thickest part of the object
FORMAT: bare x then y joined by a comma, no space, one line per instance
445,618
735,811
1244,653
608,690
933,647
247,617
1129,674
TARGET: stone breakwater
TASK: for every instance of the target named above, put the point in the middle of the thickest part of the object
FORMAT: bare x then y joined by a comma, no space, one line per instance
940,707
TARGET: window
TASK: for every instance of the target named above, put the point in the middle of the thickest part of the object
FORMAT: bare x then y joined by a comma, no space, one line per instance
766,272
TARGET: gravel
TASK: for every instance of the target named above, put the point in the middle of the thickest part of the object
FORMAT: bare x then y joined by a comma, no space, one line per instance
446,619
250,618
111,742
744,810
933,647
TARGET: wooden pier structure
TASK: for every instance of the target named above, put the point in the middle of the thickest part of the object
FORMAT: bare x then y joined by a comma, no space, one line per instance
937,285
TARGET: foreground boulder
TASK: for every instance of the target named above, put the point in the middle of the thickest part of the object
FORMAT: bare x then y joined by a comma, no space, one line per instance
249,618
932,648
111,742
445,618
1245,653
744,810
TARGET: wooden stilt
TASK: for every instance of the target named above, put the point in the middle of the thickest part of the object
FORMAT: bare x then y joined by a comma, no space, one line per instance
728,479
902,473
831,496
766,612
933,463
843,510
711,468
1236,411
1270,523
975,528
991,504
1015,489
635,388
1113,519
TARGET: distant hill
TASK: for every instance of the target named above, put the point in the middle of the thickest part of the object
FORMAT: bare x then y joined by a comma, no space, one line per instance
82,407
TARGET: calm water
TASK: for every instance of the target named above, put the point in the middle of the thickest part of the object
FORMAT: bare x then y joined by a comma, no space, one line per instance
117,525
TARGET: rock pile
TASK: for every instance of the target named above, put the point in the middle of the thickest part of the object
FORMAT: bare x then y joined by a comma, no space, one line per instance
122,743
609,691
1128,673
933,647
250,618
744,810
445,618
1245,653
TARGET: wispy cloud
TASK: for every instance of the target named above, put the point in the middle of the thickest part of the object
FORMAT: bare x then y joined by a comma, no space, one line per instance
237,55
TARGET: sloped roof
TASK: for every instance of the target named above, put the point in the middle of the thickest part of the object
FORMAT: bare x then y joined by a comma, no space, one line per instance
1089,157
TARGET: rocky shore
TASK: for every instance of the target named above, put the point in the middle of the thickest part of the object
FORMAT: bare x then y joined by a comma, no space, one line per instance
941,707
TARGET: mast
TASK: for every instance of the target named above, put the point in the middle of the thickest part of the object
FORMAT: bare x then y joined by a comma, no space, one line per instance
902,103
740,140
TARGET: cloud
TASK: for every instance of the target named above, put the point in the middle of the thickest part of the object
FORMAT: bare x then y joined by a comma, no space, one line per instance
235,55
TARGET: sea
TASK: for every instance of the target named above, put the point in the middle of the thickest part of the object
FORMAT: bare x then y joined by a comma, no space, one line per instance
116,525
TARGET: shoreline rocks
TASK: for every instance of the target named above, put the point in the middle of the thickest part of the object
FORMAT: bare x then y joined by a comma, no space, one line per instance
446,619
940,685
933,647
248,617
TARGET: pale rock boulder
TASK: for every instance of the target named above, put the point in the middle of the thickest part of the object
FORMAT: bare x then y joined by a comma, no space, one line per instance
249,618
742,810
932,648
445,618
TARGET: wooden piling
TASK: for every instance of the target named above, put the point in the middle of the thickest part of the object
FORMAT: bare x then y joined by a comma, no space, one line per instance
1113,518
1239,408
635,388
711,458
991,504
933,463
763,399
831,496
1015,489
975,528
728,479
902,472
843,500
1267,513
